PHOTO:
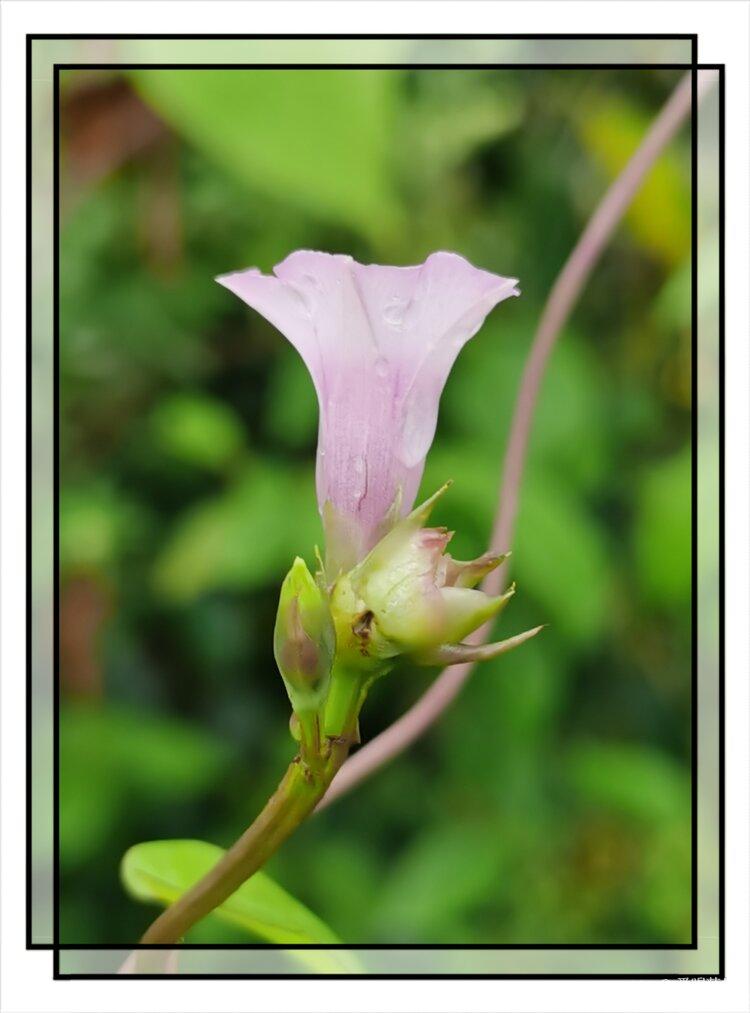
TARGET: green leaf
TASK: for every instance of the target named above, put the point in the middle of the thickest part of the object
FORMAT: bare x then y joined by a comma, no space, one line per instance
666,875
197,430
635,780
659,217
292,412
98,524
662,531
281,133
572,422
560,556
111,756
671,307
161,871
445,873
453,114
243,538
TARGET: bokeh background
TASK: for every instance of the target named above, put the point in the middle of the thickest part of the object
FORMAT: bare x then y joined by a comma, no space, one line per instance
552,804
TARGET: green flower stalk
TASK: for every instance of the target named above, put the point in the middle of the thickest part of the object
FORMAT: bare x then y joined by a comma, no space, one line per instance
379,343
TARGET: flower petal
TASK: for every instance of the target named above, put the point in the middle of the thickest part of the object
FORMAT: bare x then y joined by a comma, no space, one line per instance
379,343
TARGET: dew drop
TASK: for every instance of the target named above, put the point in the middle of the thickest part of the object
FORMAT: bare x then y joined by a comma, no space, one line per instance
381,368
302,299
358,477
393,312
420,417
312,281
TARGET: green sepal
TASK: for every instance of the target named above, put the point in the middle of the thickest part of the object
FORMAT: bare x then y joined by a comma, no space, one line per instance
304,639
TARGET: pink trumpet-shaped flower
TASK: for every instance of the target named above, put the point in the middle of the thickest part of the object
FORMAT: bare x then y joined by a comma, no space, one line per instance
379,343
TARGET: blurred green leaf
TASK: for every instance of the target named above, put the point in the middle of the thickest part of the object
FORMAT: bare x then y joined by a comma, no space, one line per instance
637,781
442,874
198,430
122,325
109,756
453,114
612,128
98,524
470,503
281,132
161,871
345,873
667,868
662,530
500,743
90,807
671,308
571,425
292,413
560,556
244,537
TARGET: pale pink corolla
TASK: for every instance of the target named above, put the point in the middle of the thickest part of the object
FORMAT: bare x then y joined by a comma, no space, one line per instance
379,343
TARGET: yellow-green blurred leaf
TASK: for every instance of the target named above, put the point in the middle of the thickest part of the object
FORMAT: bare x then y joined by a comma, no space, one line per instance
659,216
443,873
197,429
111,756
560,557
244,537
662,530
635,780
281,133
161,871
97,524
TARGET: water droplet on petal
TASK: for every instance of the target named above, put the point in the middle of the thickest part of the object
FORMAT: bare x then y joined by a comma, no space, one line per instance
393,312
302,300
358,478
312,281
420,418
381,368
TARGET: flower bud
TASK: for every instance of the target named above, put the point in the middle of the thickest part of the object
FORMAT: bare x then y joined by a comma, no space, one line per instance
304,640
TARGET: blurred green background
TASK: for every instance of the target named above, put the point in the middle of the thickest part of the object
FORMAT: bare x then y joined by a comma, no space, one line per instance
552,803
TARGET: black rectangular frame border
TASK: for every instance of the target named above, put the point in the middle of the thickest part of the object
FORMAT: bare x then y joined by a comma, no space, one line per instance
693,67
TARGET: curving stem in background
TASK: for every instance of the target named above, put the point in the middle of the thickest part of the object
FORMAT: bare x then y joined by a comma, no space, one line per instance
568,285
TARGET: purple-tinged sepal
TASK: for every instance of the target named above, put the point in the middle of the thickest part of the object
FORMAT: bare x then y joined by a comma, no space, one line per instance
471,572
409,597
459,654
304,639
